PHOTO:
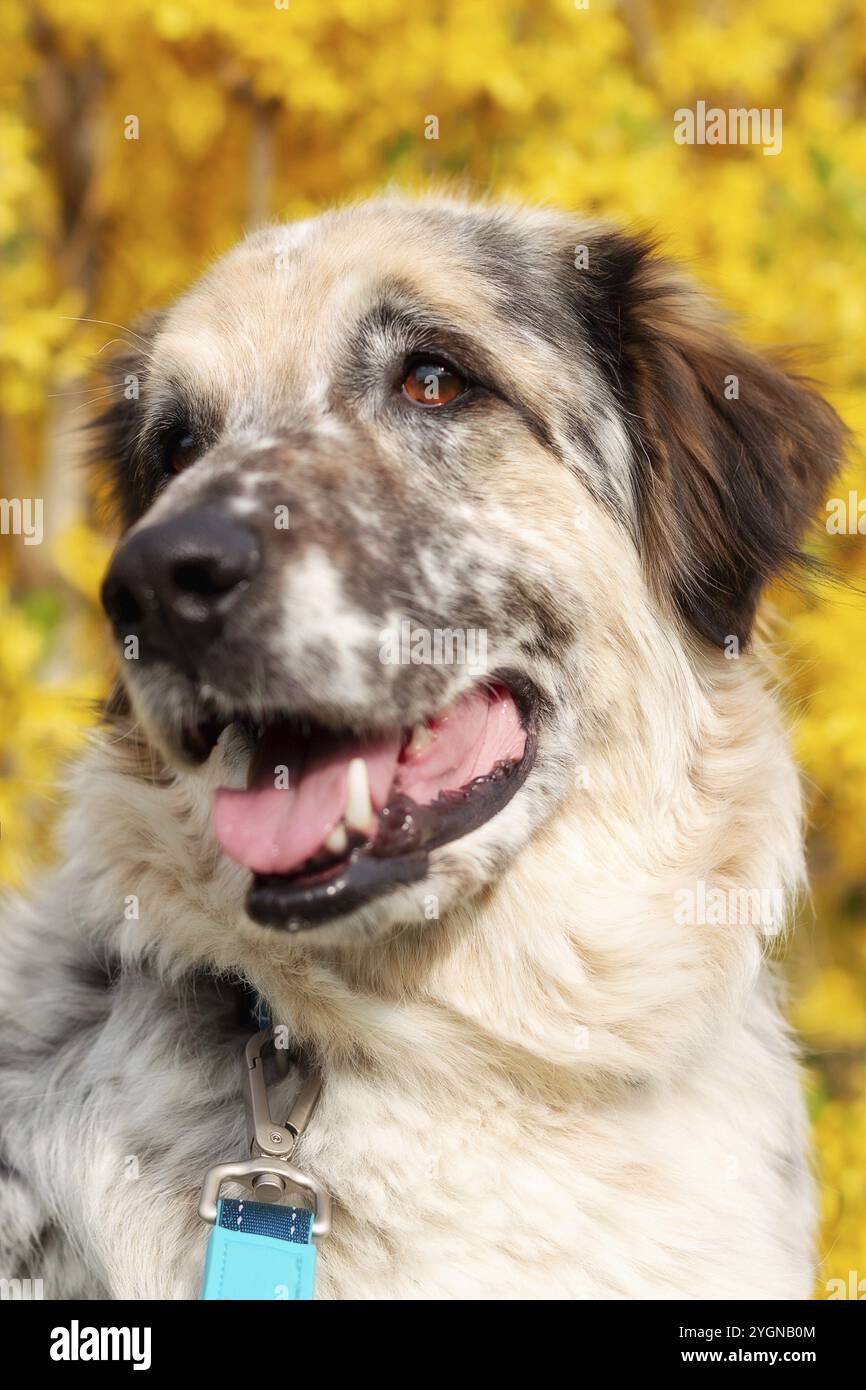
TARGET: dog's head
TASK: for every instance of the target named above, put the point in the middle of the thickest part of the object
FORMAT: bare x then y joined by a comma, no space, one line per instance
403,487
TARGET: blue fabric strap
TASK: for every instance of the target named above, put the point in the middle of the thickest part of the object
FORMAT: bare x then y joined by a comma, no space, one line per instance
260,1252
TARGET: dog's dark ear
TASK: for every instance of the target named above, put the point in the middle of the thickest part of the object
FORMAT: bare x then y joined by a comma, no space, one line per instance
733,452
115,431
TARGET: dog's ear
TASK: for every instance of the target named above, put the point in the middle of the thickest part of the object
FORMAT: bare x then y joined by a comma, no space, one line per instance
733,452
115,430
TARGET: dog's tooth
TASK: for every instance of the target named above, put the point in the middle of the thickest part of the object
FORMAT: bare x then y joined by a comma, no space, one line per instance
338,841
421,736
359,809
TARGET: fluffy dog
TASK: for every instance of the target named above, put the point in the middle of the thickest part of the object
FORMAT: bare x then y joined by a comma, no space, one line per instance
515,907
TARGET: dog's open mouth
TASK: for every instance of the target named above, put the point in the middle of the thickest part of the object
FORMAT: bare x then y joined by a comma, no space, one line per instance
329,821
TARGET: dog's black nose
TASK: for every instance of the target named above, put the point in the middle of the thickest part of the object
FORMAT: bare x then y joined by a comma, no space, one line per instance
172,584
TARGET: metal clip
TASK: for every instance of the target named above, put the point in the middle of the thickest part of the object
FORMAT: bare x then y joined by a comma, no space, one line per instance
266,1136
267,1172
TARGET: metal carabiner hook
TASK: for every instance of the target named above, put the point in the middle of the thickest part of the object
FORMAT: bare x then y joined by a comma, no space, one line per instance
267,1171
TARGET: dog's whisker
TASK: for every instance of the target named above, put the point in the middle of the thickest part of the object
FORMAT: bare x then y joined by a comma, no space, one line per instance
127,734
92,392
106,323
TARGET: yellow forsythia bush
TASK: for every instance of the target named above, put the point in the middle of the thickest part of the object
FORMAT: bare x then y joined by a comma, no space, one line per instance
138,140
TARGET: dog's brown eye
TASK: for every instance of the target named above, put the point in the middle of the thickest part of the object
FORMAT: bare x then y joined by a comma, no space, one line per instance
180,450
432,384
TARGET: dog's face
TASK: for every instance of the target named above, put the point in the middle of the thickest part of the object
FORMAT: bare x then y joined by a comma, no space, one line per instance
403,487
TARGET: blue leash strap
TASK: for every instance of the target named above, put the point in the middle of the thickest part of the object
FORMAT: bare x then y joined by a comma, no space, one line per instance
260,1252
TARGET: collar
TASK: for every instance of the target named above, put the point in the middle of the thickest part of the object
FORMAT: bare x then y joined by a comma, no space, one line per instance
258,1250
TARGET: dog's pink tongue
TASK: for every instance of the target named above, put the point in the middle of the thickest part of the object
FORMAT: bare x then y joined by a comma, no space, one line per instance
299,788
295,799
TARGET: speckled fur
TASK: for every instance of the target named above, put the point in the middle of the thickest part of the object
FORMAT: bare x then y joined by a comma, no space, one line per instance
553,1090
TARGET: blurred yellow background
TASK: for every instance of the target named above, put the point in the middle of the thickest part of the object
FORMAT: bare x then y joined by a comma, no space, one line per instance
140,139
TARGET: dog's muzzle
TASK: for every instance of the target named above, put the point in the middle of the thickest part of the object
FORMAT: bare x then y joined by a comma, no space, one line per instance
335,812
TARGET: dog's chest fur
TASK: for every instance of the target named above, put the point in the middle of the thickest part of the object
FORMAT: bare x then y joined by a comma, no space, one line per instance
469,1188
556,1092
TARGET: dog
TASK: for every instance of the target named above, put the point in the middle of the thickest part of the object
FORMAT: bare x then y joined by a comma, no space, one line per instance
490,898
